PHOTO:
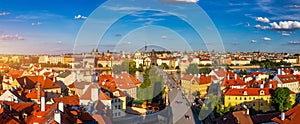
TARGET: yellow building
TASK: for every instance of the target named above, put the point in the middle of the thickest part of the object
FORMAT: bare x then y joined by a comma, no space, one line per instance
257,98
68,59
193,83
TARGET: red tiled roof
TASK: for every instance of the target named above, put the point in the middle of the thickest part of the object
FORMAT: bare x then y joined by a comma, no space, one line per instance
220,72
232,81
78,85
34,94
187,77
287,78
257,73
203,79
20,106
31,82
68,100
250,92
292,116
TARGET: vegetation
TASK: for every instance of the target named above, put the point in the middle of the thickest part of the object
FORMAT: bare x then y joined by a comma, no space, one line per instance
219,111
59,64
164,66
204,70
192,69
281,99
126,66
152,85
269,64
242,72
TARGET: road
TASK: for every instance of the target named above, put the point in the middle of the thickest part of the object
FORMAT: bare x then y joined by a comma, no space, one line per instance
178,103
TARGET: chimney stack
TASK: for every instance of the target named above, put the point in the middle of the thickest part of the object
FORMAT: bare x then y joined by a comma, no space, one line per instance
61,106
43,102
94,94
235,76
57,116
279,71
282,116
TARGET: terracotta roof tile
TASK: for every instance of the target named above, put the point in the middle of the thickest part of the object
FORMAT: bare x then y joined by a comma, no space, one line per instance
292,116
287,78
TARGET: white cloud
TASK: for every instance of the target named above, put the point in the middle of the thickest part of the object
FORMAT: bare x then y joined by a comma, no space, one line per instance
285,34
164,37
262,27
4,13
180,1
122,8
36,24
59,42
285,25
80,17
294,6
266,38
294,42
253,41
6,37
261,19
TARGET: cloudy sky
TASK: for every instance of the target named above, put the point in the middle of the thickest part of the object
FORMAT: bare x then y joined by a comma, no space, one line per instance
39,27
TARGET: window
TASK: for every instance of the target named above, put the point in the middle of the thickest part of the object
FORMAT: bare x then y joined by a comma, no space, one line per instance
240,98
249,98
235,98
245,98
261,104
253,104
119,106
228,97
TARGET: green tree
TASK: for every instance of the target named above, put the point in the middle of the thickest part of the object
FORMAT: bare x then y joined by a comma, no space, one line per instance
192,69
204,70
164,66
281,99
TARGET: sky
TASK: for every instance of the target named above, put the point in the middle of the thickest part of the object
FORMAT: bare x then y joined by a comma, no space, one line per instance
57,27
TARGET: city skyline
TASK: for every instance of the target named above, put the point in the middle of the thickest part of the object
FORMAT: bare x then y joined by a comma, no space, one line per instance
51,28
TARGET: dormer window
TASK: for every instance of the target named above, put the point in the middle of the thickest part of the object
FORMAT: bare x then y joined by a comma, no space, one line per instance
244,92
116,93
261,92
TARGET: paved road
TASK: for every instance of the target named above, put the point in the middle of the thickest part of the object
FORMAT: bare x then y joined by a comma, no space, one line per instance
179,105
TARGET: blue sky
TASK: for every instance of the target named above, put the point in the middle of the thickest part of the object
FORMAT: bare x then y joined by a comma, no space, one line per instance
42,27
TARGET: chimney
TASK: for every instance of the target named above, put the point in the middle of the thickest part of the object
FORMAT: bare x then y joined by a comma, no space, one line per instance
261,86
198,75
228,78
54,79
94,95
247,112
282,116
25,81
61,106
235,76
43,108
279,71
57,117
45,78
270,85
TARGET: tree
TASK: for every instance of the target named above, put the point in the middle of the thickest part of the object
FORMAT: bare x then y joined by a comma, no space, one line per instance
192,69
205,70
281,99
164,66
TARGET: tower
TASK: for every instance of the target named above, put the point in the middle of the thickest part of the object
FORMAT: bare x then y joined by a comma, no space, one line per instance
145,46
